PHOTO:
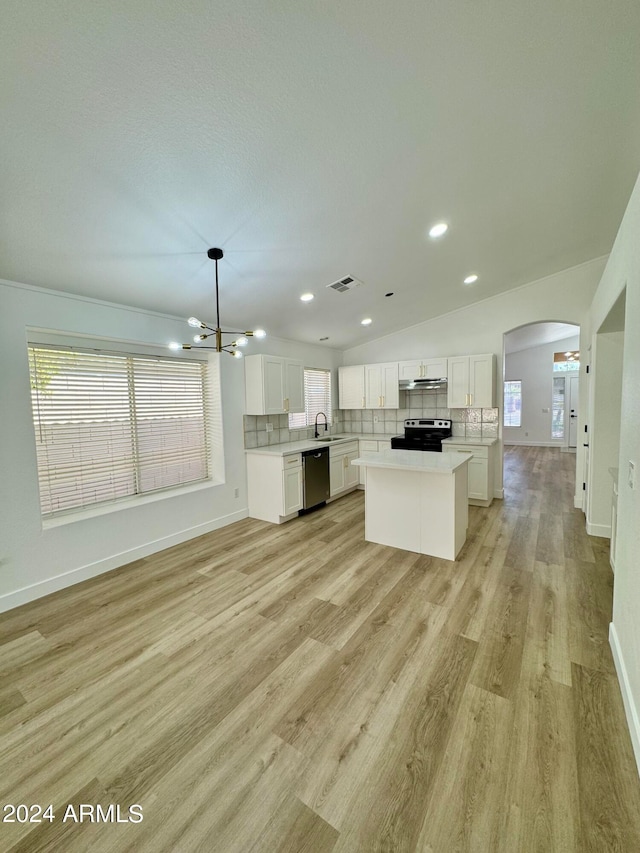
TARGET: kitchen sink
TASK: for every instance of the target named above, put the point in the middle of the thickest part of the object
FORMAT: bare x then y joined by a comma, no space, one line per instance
332,438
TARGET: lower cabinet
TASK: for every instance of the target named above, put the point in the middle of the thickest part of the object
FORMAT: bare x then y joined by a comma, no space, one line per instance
274,486
480,471
369,445
342,474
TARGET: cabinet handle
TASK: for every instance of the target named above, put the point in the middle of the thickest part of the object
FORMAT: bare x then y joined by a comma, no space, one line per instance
285,404
471,399
383,400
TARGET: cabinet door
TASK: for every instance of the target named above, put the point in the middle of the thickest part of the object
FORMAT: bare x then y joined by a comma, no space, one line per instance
291,490
478,478
351,387
336,474
458,385
373,386
390,388
481,381
274,382
351,472
294,386
435,368
409,370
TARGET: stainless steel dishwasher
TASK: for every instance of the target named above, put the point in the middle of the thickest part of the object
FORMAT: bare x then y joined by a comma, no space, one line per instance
315,474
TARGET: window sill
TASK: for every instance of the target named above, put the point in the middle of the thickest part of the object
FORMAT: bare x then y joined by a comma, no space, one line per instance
127,503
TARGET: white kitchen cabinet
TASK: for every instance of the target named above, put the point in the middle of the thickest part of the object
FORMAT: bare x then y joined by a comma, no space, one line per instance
381,386
342,474
480,471
368,445
471,382
273,385
435,368
351,387
274,486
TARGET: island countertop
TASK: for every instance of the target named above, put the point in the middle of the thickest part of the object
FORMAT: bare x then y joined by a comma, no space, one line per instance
423,461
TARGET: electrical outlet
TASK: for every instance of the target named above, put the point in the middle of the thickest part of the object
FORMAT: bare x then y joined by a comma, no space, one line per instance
632,475
376,419
269,427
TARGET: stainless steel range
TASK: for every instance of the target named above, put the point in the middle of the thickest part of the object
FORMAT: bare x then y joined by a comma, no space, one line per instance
422,434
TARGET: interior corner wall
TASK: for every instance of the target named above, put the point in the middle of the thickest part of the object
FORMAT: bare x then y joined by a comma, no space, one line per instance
479,328
606,391
35,561
534,368
623,269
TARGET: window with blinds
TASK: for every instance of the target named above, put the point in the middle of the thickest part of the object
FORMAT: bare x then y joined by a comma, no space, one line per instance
513,403
317,398
111,425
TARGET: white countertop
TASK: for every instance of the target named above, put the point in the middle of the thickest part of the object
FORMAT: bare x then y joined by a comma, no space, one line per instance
312,444
472,441
425,462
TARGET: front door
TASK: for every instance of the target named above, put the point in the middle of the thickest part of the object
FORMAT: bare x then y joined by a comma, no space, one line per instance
573,410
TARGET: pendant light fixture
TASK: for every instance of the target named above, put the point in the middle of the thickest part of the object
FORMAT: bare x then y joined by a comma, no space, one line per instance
208,332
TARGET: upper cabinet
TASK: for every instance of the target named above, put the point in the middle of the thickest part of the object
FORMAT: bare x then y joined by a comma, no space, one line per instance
433,368
351,387
381,386
471,382
273,385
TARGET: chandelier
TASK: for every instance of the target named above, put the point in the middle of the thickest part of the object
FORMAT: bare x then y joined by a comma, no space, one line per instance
232,348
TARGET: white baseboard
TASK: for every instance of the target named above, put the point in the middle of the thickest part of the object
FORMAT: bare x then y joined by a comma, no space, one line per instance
633,719
598,529
577,500
37,590
498,493
526,443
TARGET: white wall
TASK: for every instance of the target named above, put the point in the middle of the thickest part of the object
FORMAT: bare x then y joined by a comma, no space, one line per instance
564,297
534,368
623,269
35,560
606,385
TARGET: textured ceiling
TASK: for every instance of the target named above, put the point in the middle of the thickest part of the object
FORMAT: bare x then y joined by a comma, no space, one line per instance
310,141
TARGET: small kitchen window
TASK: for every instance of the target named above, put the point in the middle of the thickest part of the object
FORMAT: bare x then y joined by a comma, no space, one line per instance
513,403
317,398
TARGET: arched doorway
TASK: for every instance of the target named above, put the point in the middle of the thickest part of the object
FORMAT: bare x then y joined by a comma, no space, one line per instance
540,374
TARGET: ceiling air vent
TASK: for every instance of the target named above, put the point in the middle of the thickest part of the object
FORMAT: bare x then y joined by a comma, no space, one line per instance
344,284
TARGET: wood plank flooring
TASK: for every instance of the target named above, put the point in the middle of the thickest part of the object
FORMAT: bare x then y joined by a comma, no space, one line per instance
294,688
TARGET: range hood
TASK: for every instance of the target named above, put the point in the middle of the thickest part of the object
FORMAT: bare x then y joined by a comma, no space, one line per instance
423,384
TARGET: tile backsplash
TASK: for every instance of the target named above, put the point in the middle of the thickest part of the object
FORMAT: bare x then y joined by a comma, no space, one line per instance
465,422
256,435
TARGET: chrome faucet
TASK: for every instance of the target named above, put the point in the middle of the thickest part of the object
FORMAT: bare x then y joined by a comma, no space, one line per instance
325,423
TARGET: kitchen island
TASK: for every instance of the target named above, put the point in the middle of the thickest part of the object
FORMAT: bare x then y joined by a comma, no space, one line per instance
416,500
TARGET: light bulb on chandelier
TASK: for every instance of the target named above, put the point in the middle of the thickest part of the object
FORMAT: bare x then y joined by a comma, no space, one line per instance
242,338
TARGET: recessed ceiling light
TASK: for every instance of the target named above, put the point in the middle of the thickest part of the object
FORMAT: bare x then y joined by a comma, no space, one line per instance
306,297
471,279
390,293
366,322
438,229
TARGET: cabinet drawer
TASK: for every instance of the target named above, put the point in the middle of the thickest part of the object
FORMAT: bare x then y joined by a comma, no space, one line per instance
292,461
343,449
478,451
366,445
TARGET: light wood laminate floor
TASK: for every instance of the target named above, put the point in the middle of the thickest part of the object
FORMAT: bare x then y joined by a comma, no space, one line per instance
295,688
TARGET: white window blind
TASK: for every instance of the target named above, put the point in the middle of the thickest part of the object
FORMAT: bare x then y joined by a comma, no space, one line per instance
513,403
111,425
317,398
